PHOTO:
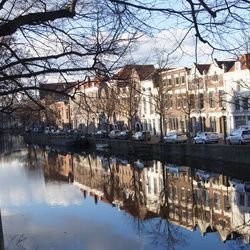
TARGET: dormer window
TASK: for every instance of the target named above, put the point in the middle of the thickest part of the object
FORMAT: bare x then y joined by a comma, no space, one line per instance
237,66
215,77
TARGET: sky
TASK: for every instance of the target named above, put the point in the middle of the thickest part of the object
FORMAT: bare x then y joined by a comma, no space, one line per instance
158,41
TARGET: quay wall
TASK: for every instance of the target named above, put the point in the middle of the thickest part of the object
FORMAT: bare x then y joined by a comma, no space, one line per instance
209,152
46,139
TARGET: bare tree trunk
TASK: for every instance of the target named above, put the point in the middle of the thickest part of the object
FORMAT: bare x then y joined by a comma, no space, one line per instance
161,128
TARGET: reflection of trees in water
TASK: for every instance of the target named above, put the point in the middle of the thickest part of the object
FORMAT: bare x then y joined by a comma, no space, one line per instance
112,187
164,233
16,242
161,231
10,143
31,162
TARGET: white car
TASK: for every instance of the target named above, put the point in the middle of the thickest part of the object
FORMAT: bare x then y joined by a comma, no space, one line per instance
142,136
114,134
174,137
100,133
239,136
206,137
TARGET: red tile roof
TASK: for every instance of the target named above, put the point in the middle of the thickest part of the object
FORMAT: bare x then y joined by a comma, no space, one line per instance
144,72
52,89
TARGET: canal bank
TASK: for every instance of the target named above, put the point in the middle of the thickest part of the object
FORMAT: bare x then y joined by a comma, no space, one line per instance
209,152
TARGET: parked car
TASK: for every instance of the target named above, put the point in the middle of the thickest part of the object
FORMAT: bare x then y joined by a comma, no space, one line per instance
47,130
35,130
142,136
206,137
100,134
239,136
114,134
175,137
125,135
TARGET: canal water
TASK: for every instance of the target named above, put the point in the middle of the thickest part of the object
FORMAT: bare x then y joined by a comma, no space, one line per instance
59,199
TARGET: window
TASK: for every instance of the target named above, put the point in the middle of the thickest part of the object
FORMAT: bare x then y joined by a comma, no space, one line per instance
174,192
149,125
237,66
169,101
192,101
222,98
212,123
149,186
211,100
197,196
206,198
248,200
215,77
173,123
176,212
144,105
155,186
184,100
151,105
177,80
178,101
245,103
242,199
189,216
184,215
240,120
200,101
227,203
169,82
237,103
176,123
67,113
217,202
182,79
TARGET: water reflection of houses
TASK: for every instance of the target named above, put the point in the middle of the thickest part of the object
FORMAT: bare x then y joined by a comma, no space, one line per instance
113,180
10,144
180,199
212,198
190,198
58,167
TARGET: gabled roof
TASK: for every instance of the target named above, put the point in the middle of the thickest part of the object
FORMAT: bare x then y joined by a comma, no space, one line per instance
144,72
226,64
202,67
53,89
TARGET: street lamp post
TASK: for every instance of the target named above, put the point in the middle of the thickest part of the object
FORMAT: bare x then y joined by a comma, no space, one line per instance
224,125
93,124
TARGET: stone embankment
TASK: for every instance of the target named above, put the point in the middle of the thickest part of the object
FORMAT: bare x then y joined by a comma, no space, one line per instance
239,154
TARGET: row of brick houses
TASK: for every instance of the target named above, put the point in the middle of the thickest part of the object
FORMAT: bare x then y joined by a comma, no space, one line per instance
205,97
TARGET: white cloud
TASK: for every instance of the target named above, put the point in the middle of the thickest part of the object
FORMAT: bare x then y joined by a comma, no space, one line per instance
167,42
